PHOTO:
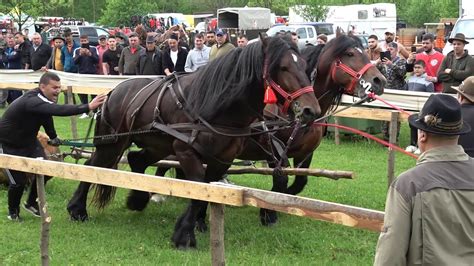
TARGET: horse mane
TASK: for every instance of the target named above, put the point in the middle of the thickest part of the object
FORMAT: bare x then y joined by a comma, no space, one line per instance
341,43
311,55
231,77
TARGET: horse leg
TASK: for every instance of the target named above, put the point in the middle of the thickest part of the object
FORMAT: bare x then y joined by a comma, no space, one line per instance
300,180
201,225
139,160
280,183
105,156
183,236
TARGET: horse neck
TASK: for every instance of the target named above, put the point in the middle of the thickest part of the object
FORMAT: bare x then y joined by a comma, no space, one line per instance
325,90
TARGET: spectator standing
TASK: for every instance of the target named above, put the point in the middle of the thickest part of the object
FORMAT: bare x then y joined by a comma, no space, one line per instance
222,45
11,60
130,55
149,62
431,58
44,34
39,52
242,41
54,61
67,53
322,39
389,38
295,38
3,39
174,57
86,58
198,56
103,46
210,38
417,82
428,212
23,47
373,49
466,98
111,57
457,65
394,70
18,129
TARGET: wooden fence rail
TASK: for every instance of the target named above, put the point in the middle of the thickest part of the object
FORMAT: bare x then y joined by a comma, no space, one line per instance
217,194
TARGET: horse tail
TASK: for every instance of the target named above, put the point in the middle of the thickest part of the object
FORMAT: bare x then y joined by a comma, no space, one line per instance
103,194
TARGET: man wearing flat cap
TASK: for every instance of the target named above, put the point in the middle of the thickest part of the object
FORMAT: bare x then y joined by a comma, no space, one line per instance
429,213
222,45
457,65
466,98
54,61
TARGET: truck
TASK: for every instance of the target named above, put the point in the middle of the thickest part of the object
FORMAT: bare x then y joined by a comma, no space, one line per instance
360,19
464,25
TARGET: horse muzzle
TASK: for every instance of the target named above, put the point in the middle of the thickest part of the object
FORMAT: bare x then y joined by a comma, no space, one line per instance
306,114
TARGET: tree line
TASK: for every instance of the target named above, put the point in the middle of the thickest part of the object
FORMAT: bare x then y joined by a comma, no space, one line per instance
119,12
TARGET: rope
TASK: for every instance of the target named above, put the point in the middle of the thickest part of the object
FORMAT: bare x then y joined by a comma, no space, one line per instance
376,97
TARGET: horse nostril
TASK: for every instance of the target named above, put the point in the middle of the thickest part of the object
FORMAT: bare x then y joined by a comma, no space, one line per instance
376,81
308,112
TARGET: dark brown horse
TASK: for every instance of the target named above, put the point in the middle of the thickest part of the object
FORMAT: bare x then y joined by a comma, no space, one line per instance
340,66
227,94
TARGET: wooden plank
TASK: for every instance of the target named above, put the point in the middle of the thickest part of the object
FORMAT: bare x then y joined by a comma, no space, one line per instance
316,209
162,185
90,90
216,217
370,113
337,137
73,119
45,220
22,86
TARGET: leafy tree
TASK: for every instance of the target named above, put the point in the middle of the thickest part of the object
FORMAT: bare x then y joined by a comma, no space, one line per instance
312,11
22,10
119,12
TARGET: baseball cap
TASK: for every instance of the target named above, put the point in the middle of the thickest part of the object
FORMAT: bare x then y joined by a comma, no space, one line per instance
102,37
4,30
220,32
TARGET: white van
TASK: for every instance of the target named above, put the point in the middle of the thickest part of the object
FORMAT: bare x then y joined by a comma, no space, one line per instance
464,25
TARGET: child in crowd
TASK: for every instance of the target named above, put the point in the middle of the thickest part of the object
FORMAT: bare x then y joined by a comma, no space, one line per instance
417,82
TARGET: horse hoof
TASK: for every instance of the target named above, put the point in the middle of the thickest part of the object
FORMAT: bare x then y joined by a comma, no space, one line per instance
184,241
201,226
268,217
76,217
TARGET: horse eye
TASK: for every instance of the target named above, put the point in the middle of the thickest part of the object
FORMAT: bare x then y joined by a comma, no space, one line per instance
284,68
350,54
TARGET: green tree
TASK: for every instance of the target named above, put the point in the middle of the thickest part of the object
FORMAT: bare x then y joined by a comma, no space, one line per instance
22,10
119,12
312,10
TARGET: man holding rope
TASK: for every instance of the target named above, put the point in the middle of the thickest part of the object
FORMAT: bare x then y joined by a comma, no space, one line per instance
18,129
429,213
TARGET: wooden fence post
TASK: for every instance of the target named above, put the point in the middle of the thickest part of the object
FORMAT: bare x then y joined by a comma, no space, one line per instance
391,152
217,234
70,100
337,139
45,220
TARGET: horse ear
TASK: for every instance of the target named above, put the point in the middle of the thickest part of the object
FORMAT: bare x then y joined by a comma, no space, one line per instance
338,31
263,38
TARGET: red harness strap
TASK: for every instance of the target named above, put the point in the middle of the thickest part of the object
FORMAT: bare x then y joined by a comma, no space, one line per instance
348,70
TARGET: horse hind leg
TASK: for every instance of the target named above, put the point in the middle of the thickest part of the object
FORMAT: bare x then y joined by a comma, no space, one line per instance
300,180
105,156
139,160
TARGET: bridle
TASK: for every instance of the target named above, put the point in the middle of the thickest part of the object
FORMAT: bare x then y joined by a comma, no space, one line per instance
356,76
271,86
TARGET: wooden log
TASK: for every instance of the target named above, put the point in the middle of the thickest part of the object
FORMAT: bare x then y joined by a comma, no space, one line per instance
45,220
316,209
332,174
216,217
391,152
337,136
162,185
370,113
18,86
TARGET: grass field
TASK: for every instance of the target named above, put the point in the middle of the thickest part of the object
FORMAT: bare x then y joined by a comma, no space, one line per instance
119,236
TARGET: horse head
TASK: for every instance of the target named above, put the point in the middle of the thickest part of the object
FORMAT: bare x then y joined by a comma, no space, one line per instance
343,65
285,81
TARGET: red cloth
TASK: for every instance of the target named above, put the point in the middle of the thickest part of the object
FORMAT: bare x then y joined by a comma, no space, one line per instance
432,62
133,50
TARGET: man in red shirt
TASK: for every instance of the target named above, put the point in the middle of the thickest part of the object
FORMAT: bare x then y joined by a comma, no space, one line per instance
432,59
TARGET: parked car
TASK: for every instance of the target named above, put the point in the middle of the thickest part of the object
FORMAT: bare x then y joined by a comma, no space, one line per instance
92,31
307,32
364,39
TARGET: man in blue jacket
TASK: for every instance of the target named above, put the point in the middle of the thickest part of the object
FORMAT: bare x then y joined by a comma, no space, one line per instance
67,53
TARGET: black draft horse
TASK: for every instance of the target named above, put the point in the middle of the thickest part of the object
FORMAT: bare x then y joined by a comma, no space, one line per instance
341,66
227,94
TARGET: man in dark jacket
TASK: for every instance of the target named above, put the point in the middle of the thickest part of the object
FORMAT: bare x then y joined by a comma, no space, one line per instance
466,98
18,129
86,58
149,62
39,53
12,58
23,47
174,57
457,65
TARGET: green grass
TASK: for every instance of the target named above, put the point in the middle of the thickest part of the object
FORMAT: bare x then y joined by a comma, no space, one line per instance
119,236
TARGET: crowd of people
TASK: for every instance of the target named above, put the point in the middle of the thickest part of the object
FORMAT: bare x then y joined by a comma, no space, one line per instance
139,53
